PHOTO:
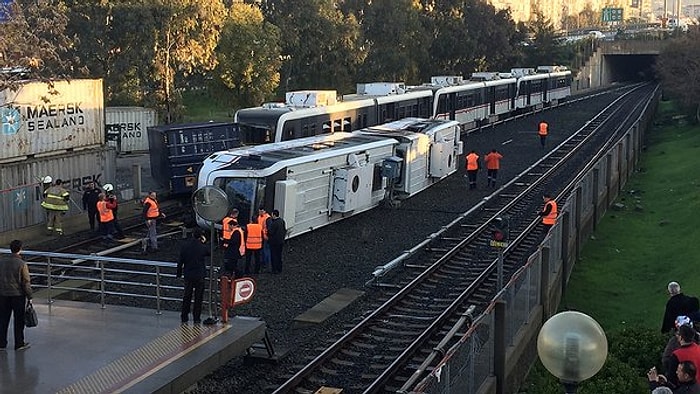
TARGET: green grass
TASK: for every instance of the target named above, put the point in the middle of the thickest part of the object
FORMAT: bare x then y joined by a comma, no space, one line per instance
621,277
200,106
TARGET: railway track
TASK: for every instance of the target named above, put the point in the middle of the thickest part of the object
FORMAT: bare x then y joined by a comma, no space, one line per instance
457,272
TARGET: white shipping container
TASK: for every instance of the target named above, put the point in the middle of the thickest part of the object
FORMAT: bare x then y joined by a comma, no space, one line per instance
36,120
127,127
22,188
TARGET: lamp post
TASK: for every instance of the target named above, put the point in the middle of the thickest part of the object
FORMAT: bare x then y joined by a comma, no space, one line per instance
573,347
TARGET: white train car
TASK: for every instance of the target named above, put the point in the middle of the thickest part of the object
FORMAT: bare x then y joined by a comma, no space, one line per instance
475,101
316,181
547,85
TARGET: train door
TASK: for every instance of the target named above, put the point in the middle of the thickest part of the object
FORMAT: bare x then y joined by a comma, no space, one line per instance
545,88
491,99
452,105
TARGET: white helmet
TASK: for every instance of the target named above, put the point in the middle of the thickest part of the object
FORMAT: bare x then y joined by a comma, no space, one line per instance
108,187
47,179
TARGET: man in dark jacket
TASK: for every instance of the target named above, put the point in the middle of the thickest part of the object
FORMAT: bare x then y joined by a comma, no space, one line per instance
678,305
90,198
192,266
276,233
15,289
685,373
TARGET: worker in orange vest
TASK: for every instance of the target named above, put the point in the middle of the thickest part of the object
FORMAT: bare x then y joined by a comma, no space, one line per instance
549,212
262,219
493,164
106,215
152,213
472,167
234,244
253,247
542,132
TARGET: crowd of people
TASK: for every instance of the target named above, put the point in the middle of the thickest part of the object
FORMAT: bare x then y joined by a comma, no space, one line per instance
681,357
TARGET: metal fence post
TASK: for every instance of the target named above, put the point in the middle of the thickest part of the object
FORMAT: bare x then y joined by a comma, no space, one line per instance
158,311
102,284
48,280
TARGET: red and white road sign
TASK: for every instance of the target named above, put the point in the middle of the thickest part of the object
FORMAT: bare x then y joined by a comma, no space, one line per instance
243,290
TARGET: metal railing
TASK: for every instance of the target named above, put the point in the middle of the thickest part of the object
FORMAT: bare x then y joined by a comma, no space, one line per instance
128,280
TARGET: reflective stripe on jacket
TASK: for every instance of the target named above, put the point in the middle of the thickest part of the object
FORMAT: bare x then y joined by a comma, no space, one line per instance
254,239
551,218
543,128
106,214
55,199
153,211
472,162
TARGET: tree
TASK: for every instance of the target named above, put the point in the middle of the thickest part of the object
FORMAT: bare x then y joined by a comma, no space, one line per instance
545,48
320,44
678,67
34,44
248,57
187,31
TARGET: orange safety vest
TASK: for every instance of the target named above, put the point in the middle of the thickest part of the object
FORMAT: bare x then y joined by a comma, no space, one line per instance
106,214
472,162
262,220
254,239
153,211
552,217
226,230
543,128
493,161
241,247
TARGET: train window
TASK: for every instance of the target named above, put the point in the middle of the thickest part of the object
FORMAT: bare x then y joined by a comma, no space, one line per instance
347,124
326,128
337,126
288,134
241,193
312,130
304,131
401,113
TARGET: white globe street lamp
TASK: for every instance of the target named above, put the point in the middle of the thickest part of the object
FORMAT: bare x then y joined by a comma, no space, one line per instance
573,347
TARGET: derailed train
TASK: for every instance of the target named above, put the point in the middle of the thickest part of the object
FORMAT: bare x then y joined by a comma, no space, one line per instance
316,181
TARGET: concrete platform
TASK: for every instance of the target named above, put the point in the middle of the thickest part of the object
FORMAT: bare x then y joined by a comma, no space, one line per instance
81,348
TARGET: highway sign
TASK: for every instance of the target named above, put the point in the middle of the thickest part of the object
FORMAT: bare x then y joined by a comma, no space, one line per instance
612,14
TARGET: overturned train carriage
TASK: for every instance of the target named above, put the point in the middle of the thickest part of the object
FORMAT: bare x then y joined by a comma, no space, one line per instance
319,180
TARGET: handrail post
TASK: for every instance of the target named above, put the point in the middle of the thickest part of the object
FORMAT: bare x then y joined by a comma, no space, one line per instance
102,283
158,311
48,281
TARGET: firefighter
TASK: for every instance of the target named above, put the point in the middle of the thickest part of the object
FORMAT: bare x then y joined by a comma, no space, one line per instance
542,131
549,212
56,204
472,167
493,164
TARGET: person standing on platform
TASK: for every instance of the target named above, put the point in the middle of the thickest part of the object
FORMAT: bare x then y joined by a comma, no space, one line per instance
542,131
192,266
90,198
112,199
151,213
472,167
493,164
105,210
276,233
15,291
56,204
253,247
262,220
234,245
549,212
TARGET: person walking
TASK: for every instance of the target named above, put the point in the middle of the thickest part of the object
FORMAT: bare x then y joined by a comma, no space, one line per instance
262,220
472,167
678,304
192,267
542,131
253,247
276,233
549,212
90,198
105,210
15,292
493,164
112,199
234,245
56,204
151,213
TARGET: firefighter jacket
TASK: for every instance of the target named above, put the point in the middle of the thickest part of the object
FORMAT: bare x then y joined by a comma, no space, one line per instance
56,198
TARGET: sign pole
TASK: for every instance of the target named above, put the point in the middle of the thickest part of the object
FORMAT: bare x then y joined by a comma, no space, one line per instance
211,320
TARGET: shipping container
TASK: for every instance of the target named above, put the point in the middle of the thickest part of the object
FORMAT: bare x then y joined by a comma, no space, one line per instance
22,187
177,151
127,127
38,120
